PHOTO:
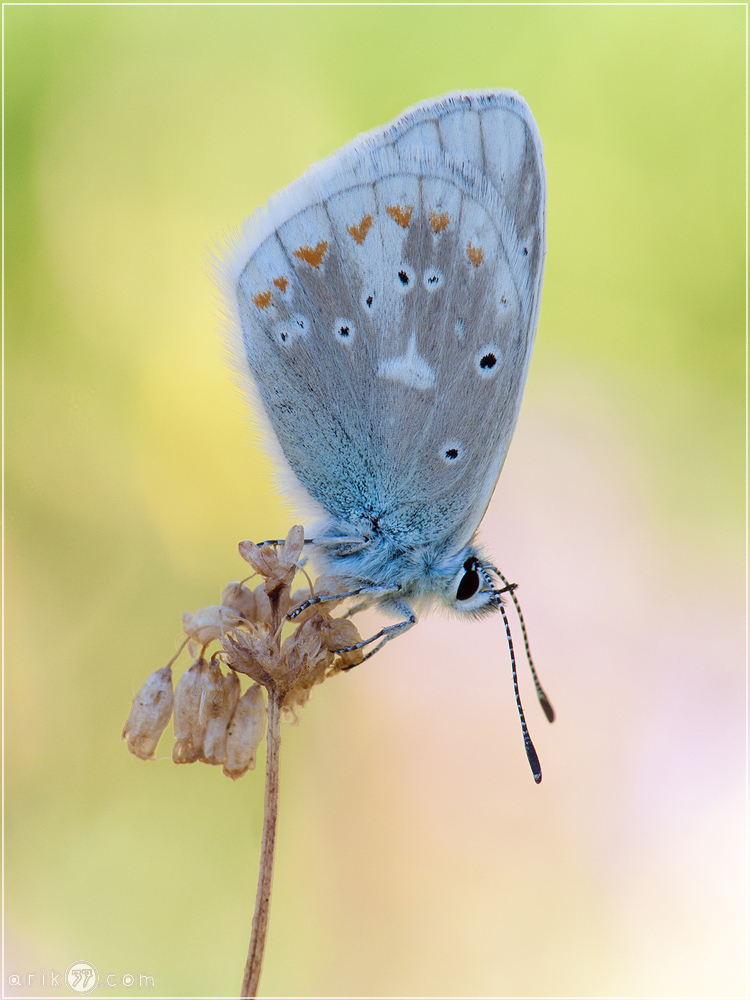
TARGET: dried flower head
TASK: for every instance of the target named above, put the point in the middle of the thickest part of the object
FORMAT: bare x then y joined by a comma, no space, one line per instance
213,721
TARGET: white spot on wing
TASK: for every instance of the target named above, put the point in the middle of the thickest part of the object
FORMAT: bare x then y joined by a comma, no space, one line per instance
487,361
287,330
409,368
433,279
404,278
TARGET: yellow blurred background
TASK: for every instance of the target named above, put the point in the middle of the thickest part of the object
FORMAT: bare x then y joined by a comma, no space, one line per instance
416,856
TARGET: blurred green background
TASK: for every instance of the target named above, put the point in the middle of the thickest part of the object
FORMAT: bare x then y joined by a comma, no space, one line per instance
416,856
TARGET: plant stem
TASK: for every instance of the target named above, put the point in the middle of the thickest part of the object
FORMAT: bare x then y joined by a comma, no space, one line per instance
254,962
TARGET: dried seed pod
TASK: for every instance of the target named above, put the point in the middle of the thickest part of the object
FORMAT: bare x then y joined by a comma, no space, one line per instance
338,633
293,545
252,605
279,583
296,699
207,624
262,558
303,653
267,560
278,567
246,729
262,606
189,731
240,598
213,695
150,713
217,727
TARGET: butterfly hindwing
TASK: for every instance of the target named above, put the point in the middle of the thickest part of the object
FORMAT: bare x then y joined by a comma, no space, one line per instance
387,307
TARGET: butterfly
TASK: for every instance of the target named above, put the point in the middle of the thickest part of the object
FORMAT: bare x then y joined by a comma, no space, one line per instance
385,306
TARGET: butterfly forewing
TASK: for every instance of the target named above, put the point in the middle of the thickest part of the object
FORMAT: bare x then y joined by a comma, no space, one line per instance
495,134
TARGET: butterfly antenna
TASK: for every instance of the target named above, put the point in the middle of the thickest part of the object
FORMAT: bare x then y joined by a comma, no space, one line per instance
540,693
531,753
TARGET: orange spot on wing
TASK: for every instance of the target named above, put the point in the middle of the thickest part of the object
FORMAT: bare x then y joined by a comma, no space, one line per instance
401,216
361,230
281,283
438,220
475,254
262,300
312,255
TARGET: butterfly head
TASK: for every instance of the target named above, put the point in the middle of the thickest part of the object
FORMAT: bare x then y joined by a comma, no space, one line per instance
473,591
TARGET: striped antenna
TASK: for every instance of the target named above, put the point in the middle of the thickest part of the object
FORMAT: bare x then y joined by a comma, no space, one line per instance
536,768
543,699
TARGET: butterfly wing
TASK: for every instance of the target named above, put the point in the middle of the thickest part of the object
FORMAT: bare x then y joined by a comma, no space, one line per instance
387,303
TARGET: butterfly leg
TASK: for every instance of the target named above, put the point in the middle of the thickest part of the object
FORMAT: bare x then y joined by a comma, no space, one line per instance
342,540
385,634
322,598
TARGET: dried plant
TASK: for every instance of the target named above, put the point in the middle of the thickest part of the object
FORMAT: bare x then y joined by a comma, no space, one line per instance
213,722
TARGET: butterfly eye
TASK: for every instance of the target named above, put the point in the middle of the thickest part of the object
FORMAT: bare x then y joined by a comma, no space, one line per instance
470,582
